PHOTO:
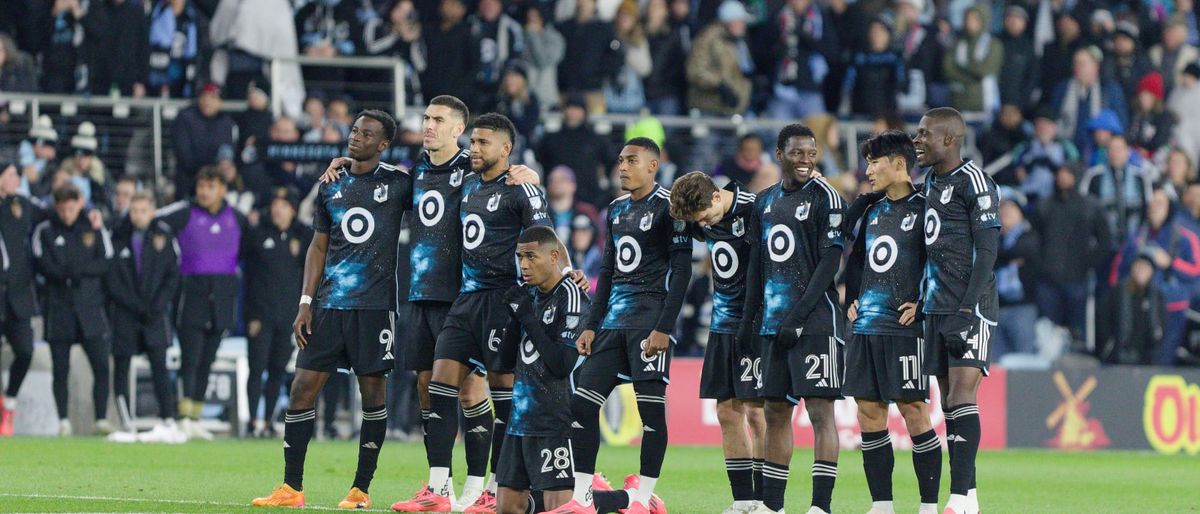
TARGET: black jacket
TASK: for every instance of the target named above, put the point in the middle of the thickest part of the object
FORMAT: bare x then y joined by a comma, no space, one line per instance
18,216
140,303
274,263
196,141
453,64
1150,131
1130,325
1026,254
668,52
117,45
592,55
73,260
583,151
1020,73
1075,236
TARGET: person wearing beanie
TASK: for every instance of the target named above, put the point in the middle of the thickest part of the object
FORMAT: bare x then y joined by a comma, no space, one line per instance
1174,54
1150,124
1020,71
37,155
717,75
197,136
515,100
1035,162
85,168
1126,63
1184,103
972,64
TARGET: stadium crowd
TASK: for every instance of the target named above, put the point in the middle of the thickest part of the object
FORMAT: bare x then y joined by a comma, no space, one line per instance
1090,106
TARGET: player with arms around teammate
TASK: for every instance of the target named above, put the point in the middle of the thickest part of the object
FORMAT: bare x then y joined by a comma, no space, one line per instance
883,358
642,282
962,231
719,218
352,258
493,213
797,223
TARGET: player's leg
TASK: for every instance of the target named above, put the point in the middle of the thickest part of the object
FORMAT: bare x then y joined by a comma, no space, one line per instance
500,386
121,387
98,350
727,377
878,459
371,434
731,414
869,383
191,345
164,389
299,423
19,334
778,443
514,501
815,364
477,425
964,410
652,407
258,348
825,450
277,359
211,341
597,379
927,452
757,420
444,384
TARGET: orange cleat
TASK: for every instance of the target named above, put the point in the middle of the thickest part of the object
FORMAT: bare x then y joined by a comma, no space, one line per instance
600,483
424,501
486,504
657,506
355,499
282,496
573,507
6,422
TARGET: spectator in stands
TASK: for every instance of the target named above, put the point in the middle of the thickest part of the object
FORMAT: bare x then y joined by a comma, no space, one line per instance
1122,187
1150,125
197,136
876,76
397,34
174,47
1058,53
118,47
586,248
1036,161
338,114
72,254
123,192
516,101
87,171
1085,95
18,216
275,253
743,165
670,38
452,55
1170,57
237,193
1184,103
544,49
1186,9
210,234
971,65
16,68
922,54
1174,246
719,64
500,38
314,118
1127,63
1101,130
254,123
595,55
578,147
38,155
328,29
1020,71
625,92
831,158
142,283
1179,172
804,42
563,207
1018,259
246,36
1075,239
1131,318
60,56
1009,130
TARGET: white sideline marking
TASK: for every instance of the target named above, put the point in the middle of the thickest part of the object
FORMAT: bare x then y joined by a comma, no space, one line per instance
149,500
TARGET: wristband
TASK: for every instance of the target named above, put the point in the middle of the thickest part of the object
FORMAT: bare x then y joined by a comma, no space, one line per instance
305,300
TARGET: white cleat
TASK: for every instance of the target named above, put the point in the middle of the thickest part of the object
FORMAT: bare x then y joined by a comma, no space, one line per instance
64,428
122,436
166,432
468,498
928,508
759,508
972,501
194,431
740,508
103,427
877,510
816,510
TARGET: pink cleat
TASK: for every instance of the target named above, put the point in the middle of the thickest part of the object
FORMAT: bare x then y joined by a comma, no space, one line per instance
486,504
573,507
424,501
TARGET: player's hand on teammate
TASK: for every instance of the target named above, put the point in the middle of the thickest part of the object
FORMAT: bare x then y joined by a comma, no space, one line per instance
331,173
852,311
956,330
657,343
522,174
909,313
579,279
520,304
584,343
302,327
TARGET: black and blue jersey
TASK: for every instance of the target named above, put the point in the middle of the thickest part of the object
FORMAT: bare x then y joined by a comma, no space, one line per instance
956,205
436,246
492,215
542,398
729,244
361,214
793,228
891,247
642,236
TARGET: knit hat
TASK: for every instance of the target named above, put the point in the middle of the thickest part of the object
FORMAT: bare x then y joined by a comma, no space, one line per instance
43,129
1152,83
1106,120
1127,29
731,11
287,194
1018,11
919,5
85,139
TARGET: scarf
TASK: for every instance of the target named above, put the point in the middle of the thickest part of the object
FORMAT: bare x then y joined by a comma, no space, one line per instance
1068,120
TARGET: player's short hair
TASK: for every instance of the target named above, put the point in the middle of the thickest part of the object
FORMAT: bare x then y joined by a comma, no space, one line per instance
691,194
210,172
67,192
647,143
540,234
750,136
143,196
385,119
890,143
454,104
497,123
951,116
790,131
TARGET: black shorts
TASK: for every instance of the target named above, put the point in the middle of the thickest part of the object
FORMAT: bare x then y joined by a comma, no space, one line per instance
728,374
423,321
810,369
938,361
474,333
532,463
885,368
620,353
355,340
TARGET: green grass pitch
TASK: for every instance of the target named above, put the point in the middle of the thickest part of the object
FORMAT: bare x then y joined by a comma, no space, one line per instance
88,474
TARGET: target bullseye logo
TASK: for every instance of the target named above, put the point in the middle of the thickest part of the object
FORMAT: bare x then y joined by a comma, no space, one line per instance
358,225
430,208
883,254
629,254
781,243
724,259
933,226
529,354
473,231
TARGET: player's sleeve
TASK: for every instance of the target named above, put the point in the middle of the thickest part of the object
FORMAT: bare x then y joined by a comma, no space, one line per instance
754,281
603,282
984,219
832,218
857,260
532,206
681,237
407,187
559,351
322,221
680,276
983,200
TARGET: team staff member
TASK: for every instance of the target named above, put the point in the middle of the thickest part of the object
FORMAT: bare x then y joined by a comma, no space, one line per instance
142,282
18,216
274,277
73,257
210,235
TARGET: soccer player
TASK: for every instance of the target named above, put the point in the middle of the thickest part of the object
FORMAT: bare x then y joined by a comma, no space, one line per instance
791,278
962,230
18,216
352,259
719,217
883,288
493,213
647,265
